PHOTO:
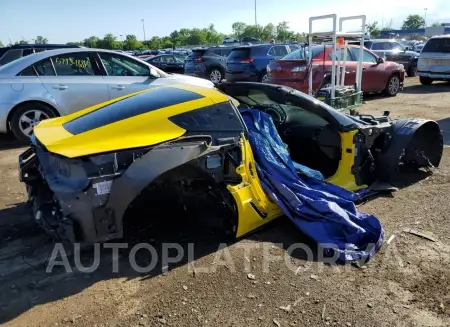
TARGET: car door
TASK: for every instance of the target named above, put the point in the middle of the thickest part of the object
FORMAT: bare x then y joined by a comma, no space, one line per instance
351,65
73,80
124,75
374,76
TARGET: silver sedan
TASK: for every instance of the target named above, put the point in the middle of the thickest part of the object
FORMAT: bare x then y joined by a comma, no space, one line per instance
59,82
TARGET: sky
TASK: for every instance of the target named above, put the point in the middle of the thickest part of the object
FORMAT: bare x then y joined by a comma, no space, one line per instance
64,21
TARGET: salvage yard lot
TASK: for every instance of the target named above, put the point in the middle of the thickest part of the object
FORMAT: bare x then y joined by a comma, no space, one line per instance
406,284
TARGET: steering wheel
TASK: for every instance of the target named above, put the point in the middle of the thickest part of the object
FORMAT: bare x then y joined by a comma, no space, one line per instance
275,115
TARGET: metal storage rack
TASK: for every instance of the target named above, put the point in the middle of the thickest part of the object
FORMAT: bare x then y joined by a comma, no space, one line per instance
338,71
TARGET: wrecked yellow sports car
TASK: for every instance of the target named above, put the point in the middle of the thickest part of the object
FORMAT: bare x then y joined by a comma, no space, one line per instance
189,144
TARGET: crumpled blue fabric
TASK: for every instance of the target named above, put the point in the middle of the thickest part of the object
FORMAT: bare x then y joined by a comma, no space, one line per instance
322,211
302,169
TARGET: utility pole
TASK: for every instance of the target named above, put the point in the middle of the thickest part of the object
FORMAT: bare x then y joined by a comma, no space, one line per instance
256,21
143,27
425,19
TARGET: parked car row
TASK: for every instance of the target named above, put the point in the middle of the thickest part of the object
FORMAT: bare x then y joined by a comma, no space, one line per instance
37,85
241,63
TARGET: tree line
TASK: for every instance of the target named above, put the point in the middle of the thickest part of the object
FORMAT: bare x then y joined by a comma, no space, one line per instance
195,36
210,36
185,37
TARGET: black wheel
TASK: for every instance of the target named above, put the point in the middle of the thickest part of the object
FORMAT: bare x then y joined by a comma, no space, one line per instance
215,75
26,116
412,71
392,86
425,80
263,76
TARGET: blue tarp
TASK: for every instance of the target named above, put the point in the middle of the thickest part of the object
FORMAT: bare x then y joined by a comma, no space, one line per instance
324,212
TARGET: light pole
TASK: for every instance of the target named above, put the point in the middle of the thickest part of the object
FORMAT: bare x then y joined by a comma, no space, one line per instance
121,40
143,27
425,19
256,21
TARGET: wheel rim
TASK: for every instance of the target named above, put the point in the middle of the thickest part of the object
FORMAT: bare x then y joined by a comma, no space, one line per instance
29,119
264,78
215,76
394,85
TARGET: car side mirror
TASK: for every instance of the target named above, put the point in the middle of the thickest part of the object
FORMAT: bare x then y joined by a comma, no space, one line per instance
154,73
380,60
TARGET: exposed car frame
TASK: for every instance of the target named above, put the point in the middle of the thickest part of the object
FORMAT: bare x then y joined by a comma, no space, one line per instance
85,171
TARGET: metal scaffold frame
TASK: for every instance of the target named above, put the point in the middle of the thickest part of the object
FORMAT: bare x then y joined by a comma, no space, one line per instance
337,77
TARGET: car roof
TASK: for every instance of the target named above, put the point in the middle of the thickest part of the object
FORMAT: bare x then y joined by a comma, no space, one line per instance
381,40
38,46
16,66
446,36
254,46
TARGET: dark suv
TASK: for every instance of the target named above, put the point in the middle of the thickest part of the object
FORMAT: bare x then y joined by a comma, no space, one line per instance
249,63
14,52
207,63
392,50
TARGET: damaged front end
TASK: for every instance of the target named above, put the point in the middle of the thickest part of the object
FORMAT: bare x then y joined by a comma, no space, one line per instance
395,146
85,199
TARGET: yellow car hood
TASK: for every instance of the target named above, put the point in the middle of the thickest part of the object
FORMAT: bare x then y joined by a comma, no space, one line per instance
136,120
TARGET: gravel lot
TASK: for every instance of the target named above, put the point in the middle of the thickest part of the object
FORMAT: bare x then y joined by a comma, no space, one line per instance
406,284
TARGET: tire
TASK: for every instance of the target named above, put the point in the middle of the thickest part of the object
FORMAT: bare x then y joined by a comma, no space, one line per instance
425,80
392,86
215,75
412,71
26,116
263,76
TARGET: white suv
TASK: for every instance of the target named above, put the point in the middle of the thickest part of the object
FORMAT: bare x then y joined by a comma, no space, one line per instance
434,60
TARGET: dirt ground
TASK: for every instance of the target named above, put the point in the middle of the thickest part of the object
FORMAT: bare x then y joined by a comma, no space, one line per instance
406,284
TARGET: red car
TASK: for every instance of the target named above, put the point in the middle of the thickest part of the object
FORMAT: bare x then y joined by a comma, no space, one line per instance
378,75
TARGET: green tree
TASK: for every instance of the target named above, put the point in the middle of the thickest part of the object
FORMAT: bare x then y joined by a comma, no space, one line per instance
300,37
175,38
131,43
372,29
22,42
196,37
75,43
283,32
154,43
41,40
268,32
412,22
92,42
252,31
238,29
109,42
211,35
